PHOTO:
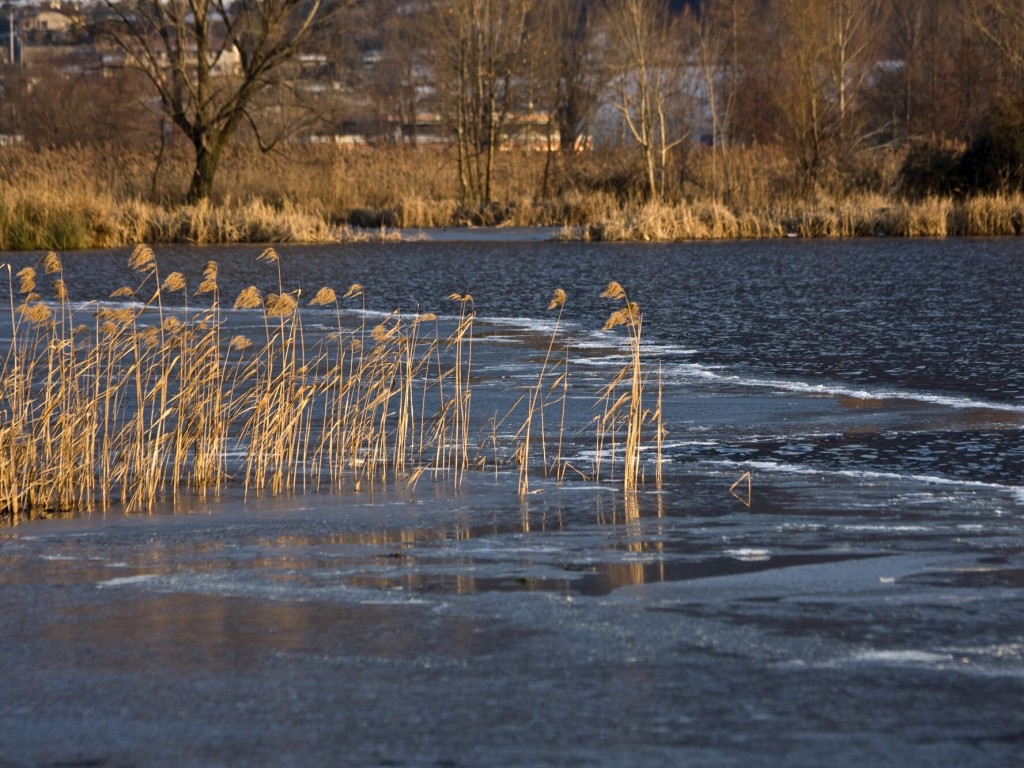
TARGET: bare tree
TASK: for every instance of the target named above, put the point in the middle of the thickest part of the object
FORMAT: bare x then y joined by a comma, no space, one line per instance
566,66
852,41
717,32
909,26
1001,22
210,62
645,76
398,82
63,101
826,57
479,47
567,76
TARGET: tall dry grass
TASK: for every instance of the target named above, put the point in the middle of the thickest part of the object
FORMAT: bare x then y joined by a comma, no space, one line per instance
860,216
140,403
135,402
63,221
63,199
549,390
622,399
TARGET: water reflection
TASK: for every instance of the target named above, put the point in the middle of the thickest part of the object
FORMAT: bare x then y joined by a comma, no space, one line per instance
551,548
207,634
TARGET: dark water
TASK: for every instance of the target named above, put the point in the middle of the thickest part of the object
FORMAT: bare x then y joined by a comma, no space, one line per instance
940,317
864,605
932,328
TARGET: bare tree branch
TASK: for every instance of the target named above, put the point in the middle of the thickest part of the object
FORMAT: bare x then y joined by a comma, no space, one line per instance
209,61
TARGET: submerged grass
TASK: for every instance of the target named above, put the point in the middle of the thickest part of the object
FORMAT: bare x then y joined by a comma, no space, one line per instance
142,404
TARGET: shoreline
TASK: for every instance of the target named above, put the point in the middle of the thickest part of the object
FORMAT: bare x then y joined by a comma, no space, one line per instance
73,226
72,200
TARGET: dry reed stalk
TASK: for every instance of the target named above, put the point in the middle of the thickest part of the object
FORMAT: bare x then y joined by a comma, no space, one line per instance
148,450
414,360
930,218
279,398
347,378
535,400
206,431
330,387
370,414
659,427
74,420
461,341
561,383
629,316
430,351
745,500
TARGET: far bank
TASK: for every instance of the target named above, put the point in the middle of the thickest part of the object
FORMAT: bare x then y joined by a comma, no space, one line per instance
68,200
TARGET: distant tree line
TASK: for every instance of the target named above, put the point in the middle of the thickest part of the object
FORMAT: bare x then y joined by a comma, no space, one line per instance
826,83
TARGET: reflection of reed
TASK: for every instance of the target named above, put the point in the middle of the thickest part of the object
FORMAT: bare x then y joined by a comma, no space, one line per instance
546,521
631,506
645,547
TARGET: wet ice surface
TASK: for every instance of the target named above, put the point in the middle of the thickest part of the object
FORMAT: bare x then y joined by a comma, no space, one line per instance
846,628
865,609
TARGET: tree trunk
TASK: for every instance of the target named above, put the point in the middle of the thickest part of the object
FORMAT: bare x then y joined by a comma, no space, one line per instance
652,173
181,47
207,158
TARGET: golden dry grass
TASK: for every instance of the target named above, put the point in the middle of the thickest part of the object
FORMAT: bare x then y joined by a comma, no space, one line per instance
137,403
142,404
67,199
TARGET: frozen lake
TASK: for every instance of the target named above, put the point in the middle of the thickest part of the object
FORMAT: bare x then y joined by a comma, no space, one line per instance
862,607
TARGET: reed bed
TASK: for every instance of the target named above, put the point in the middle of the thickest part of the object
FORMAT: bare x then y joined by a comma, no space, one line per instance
137,402
622,399
64,199
857,216
63,222
662,222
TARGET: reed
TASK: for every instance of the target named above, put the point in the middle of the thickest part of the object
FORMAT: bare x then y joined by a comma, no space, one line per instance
745,498
145,401
929,217
62,199
536,403
988,215
461,341
625,407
